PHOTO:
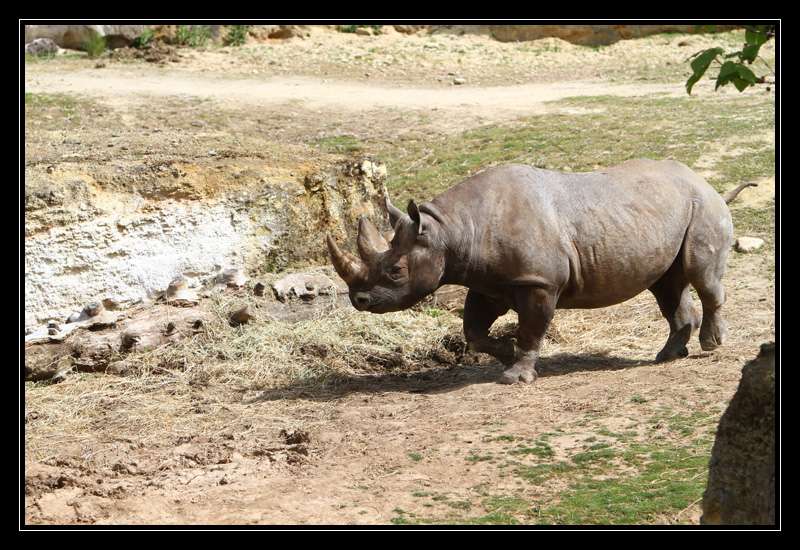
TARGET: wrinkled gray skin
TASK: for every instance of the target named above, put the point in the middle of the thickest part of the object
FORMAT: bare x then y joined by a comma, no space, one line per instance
534,240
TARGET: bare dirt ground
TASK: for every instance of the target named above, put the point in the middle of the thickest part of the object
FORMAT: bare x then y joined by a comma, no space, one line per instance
430,442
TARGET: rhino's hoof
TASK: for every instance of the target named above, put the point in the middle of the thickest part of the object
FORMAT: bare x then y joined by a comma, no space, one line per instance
708,345
713,334
671,354
514,375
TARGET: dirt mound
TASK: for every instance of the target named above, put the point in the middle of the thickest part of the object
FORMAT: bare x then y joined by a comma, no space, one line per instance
156,51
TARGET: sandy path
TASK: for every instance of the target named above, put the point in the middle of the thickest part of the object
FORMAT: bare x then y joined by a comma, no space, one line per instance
491,103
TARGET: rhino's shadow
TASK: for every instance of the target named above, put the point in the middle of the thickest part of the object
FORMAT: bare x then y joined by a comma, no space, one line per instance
443,379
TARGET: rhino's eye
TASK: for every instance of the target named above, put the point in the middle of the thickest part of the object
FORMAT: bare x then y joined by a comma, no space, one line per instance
396,272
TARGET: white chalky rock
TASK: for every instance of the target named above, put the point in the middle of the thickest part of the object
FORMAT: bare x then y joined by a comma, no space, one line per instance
748,244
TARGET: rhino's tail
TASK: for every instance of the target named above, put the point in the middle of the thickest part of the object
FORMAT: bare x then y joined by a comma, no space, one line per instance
733,193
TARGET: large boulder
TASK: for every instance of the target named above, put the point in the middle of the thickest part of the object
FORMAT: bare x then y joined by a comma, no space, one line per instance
41,46
741,478
73,37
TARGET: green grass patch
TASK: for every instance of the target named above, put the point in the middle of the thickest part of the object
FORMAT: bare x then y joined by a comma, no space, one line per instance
602,452
622,129
474,458
434,312
61,105
541,472
540,449
340,144
459,504
671,479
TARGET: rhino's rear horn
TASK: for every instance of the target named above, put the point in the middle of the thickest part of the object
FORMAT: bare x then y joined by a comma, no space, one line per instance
395,214
350,269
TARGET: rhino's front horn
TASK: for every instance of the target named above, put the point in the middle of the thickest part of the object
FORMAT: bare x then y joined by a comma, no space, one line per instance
349,268
370,241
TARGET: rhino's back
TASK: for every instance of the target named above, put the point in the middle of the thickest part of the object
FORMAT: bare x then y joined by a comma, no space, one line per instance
602,236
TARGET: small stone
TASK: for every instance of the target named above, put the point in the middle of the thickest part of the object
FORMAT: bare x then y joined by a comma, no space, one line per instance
178,293
170,328
110,304
364,31
118,367
294,436
99,65
748,244
459,80
129,340
233,278
93,309
51,169
241,316
258,290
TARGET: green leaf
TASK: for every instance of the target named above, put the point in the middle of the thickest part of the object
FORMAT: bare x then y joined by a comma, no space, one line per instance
700,65
749,53
746,74
736,73
755,36
740,83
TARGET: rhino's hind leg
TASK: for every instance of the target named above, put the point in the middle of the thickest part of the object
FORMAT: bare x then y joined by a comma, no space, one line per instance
535,307
713,329
705,265
675,302
480,312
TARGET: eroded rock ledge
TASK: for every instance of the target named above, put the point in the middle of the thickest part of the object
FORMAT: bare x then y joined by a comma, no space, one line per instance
123,233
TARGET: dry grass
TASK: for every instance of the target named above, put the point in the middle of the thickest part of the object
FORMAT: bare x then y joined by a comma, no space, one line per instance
227,365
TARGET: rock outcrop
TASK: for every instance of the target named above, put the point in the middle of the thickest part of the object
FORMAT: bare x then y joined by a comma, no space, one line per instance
91,238
585,35
741,479
41,46
74,37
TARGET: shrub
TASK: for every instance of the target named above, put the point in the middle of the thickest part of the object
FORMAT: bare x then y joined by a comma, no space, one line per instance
144,39
237,35
194,36
95,45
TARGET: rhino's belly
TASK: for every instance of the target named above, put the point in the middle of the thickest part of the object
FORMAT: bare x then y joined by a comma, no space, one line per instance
602,280
590,300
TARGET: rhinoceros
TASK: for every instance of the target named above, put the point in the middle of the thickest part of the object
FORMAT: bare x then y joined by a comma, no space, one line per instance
534,240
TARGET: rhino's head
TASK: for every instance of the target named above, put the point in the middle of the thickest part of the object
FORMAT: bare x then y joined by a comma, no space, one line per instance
396,271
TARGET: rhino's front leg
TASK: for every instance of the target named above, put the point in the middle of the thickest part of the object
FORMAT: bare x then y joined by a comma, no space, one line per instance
535,307
480,312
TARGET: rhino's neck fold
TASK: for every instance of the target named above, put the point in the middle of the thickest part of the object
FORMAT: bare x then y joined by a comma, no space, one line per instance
457,235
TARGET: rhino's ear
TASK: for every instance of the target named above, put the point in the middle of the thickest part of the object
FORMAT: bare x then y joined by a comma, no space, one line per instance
413,213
